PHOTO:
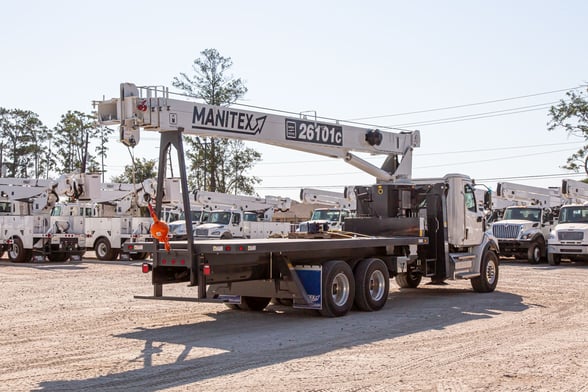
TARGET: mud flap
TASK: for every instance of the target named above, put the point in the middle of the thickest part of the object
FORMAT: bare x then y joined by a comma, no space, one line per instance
311,278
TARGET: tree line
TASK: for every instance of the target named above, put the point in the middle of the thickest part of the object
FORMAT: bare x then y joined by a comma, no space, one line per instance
30,149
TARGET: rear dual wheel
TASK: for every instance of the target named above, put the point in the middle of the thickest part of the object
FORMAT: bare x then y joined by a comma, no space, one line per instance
104,250
338,291
372,281
17,253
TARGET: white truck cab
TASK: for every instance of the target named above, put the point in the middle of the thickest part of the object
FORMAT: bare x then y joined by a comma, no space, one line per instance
325,219
523,232
226,224
569,238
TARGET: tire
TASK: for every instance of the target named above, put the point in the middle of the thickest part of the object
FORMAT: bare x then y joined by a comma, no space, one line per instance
138,256
226,236
534,252
338,289
372,285
409,280
554,259
256,304
58,257
17,253
488,278
104,250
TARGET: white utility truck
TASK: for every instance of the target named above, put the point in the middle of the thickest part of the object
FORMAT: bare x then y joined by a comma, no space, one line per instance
27,228
409,230
569,238
524,228
341,206
240,216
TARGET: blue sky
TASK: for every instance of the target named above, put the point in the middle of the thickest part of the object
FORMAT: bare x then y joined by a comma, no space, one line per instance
343,59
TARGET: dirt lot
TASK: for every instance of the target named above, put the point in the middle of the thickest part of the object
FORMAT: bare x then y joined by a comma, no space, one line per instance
76,326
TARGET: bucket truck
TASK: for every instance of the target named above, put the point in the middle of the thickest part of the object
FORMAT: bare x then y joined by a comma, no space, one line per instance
29,230
411,231
342,205
239,216
525,227
119,215
569,238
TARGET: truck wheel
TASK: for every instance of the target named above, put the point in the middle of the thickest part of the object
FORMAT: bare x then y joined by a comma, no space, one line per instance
372,281
17,253
488,278
255,304
409,280
104,251
226,236
58,257
553,259
534,253
338,291
138,256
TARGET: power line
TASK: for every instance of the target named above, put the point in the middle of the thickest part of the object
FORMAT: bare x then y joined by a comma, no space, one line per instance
491,160
477,116
423,167
467,105
521,178
416,154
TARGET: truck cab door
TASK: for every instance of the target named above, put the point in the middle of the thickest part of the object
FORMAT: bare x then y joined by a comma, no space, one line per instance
474,218
236,226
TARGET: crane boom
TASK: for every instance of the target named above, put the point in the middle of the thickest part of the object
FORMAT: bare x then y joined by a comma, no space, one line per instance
575,191
544,197
152,109
344,199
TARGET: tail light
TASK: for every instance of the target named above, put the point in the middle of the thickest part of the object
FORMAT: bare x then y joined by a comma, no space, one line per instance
146,268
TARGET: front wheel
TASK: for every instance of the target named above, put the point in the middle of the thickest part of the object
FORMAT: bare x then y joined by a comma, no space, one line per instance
338,291
553,259
534,253
488,278
409,280
372,281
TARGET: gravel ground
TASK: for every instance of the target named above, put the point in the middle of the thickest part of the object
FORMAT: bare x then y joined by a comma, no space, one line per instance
76,326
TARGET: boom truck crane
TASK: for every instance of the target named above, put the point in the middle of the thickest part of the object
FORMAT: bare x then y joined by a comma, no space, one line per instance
28,229
341,206
119,215
569,238
525,227
240,216
408,230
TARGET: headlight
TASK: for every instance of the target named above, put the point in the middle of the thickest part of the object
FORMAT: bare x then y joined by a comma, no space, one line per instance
215,233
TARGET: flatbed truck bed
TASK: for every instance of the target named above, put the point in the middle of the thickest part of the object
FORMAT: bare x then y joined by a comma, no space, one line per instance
291,269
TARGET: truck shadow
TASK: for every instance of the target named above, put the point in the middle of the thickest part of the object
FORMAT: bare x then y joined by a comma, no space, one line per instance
236,341
45,265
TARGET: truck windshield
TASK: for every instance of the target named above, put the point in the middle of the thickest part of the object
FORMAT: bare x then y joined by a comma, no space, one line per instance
329,215
221,217
576,214
530,214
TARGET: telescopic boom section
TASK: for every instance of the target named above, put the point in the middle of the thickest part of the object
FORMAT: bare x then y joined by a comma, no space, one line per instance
151,109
